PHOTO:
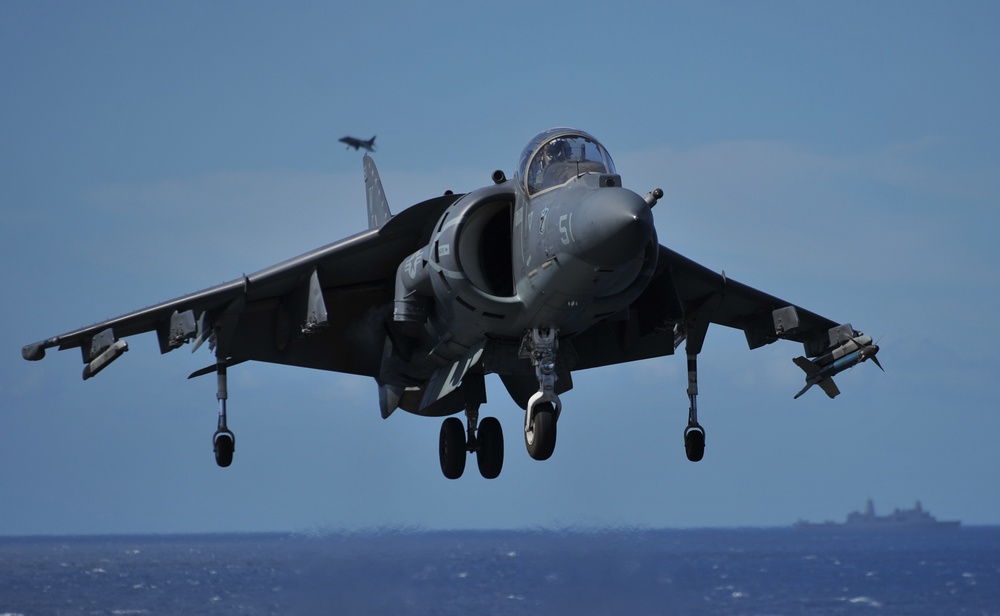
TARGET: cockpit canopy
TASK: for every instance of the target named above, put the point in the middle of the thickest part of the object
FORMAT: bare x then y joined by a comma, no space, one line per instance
558,155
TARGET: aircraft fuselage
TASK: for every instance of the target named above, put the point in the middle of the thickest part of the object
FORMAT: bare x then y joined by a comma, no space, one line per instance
504,260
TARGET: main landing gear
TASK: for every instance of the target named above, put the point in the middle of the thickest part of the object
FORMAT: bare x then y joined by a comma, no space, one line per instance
486,441
485,437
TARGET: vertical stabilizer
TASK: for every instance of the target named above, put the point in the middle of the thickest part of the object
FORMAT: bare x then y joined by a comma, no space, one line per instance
378,207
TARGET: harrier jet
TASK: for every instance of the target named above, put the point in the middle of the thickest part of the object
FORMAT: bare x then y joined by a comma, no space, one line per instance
354,142
533,279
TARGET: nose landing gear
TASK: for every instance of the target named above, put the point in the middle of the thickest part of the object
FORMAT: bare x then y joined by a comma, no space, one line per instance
544,406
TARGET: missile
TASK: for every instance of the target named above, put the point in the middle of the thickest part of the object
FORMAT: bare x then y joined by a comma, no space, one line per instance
102,361
847,355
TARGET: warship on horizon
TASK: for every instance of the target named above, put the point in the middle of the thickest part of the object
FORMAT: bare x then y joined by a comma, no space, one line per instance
900,519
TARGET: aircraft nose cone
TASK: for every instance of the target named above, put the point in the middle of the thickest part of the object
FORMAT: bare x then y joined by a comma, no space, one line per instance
611,227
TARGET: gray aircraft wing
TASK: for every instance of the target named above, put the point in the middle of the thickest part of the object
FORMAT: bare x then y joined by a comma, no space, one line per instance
684,295
318,310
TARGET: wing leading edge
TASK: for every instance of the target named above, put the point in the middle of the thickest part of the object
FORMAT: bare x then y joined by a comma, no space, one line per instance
321,309
682,299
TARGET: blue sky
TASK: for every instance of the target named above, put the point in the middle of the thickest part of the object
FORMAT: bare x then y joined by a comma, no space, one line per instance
843,157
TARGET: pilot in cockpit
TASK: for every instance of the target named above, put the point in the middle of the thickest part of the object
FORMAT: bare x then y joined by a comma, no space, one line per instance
556,151
558,167
562,158
542,173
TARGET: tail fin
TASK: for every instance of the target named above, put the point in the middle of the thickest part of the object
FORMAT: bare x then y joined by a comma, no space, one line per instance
378,206
371,143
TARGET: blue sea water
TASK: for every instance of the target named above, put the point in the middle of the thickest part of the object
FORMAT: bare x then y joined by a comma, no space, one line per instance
738,572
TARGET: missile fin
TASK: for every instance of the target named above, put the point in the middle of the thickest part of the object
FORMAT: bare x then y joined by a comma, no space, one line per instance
802,391
810,368
829,387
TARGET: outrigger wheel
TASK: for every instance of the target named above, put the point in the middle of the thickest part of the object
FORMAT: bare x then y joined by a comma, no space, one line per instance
224,445
694,442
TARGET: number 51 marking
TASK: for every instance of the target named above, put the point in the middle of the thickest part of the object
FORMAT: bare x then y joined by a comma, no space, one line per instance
566,228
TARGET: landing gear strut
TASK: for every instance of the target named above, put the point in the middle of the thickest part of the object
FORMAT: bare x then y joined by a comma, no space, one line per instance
694,434
486,441
544,406
224,441
693,330
485,437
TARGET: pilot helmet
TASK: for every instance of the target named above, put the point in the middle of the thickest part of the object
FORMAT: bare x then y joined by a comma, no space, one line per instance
557,150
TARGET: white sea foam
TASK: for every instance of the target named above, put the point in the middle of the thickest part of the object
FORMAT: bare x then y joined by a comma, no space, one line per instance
865,601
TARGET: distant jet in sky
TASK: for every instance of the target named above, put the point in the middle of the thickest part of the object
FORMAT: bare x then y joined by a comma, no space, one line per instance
534,279
354,142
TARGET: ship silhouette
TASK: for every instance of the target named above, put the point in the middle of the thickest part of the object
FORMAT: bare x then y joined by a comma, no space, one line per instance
900,519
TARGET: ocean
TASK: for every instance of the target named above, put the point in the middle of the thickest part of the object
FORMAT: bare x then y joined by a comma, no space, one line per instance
729,572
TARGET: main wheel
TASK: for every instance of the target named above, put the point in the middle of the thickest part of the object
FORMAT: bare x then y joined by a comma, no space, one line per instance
694,443
541,437
451,448
224,445
490,454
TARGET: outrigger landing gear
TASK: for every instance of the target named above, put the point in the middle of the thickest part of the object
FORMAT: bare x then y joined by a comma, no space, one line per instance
224,441
694,434
544,406
485,437
693,330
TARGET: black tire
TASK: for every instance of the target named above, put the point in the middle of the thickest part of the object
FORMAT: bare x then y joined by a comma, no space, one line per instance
694,443
451,448
490,454
541,440
224,445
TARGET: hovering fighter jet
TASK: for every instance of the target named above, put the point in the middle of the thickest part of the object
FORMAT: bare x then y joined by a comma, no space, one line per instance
354,142
554,271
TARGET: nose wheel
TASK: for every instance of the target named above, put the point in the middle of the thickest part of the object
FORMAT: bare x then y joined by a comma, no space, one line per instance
540,431
544,405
